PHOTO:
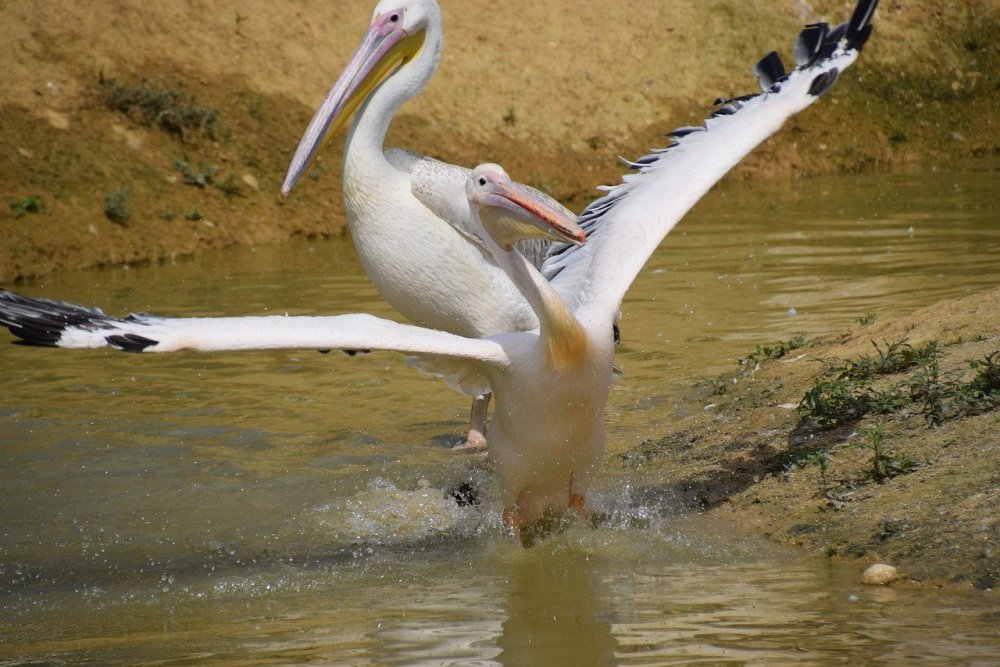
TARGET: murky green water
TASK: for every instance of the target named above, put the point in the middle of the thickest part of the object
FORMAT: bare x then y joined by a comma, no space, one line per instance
288,507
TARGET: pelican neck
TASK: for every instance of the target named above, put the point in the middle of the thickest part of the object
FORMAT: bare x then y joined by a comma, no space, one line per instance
372,119
564,336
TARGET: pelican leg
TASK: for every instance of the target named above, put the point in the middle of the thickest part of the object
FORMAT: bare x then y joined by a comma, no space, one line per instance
578,503
477,423
511,518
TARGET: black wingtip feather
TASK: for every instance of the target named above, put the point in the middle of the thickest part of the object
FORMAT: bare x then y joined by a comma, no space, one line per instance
830,43
859,28
824,82
36,332
130,342
42,321
861,38
809,42
819,41
769,70
682,132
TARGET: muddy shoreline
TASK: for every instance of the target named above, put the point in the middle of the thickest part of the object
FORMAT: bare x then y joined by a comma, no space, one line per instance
913,480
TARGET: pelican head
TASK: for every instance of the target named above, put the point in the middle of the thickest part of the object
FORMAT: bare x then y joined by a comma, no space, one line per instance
510,212
397,34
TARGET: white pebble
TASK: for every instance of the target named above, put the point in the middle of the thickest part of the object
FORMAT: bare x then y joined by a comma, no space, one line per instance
251,180
879,575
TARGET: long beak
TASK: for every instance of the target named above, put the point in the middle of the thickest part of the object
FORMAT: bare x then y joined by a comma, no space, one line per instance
384,47
518,203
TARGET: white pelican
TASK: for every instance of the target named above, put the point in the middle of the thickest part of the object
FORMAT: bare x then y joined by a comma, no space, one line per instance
406,211
552,383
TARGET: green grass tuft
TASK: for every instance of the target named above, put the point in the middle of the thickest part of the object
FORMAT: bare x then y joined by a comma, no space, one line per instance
170,110
26,205
762,352
115,209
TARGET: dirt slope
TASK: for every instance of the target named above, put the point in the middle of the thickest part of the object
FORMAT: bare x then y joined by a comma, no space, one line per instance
555,91
927,501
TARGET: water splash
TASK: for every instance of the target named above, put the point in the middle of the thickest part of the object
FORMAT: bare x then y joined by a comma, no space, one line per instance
386,514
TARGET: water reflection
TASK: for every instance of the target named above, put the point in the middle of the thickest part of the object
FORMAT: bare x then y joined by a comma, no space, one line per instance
557,610
290,507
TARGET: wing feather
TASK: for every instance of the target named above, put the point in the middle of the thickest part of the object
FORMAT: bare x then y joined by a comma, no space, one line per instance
60,324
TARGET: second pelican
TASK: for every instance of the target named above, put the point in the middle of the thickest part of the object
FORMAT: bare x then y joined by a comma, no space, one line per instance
408,214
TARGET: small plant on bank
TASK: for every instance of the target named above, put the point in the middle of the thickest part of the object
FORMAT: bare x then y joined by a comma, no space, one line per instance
986,384
834,402
949,399
170,110
848,395
255,109
932,392
26,205
885,464
229,185
800,457
115,209
943,398
198,178
895,357
204,176
762,352
510,118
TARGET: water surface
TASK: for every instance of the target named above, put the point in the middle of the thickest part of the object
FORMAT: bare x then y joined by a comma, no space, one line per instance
291,507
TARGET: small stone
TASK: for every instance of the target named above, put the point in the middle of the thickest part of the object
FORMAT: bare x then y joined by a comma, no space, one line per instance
132,138
24,152
251,181
879,575
60,121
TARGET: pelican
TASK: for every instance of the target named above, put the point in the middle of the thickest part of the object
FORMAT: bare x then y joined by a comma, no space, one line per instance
408,213
551,383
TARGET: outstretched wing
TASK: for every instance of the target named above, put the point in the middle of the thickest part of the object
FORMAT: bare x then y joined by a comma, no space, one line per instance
61,324
626,225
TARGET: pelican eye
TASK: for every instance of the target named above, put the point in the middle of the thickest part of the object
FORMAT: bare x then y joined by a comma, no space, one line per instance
394,18
482,180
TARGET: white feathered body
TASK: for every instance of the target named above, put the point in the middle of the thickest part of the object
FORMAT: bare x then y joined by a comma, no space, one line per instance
417,261
540,467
